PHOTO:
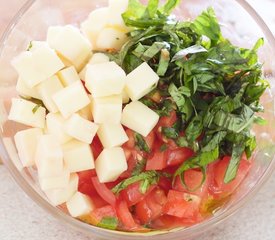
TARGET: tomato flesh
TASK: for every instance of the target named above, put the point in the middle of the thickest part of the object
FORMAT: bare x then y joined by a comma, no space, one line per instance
178,156
125,216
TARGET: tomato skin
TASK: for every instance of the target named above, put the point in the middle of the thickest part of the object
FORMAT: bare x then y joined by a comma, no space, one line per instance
99,213
105,193
178,156
96,147
182,205
157,161
151,206
125,216
86,176
132,194
221,189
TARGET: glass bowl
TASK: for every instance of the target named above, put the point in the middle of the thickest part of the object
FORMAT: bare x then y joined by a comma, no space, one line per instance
240,23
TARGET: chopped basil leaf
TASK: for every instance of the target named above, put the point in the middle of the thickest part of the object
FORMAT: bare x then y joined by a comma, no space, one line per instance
108,223
170,132
30,46
163,147
139,167
141,143
35,109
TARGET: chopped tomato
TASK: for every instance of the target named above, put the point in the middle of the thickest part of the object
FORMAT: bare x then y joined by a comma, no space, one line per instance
168,121
222,189
158,159
178,156
99,213
130,144
86,176
131,162
96,147
125,216
165,184
104,192
150,139
182,205
132,194
151,206
193,180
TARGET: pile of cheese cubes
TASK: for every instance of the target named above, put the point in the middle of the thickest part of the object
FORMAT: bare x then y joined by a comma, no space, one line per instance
58,140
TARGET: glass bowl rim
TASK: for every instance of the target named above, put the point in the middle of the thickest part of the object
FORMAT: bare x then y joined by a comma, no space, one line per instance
88,229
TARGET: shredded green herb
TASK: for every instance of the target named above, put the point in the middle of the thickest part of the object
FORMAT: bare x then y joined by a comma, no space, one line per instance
141,143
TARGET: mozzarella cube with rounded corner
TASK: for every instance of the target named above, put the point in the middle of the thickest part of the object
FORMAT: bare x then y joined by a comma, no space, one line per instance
116,9
80,205
96,21
70,43
105,79
95,59
55,126
47,89
111,38
71,99
62,195
141,81
61,181
24,91
80,128
139,118
78,156
110,164
107,109
37,65
28,113
68,76
112,135
49,157
26,143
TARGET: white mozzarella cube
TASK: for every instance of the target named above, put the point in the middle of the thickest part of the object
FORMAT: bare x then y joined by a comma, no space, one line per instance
80,205
111,38
141,81
61,181
34,45
96,21
105,79
55,126
86,112
62,195
28,113
71,99
47,89
68,76
26,142
110,164
49,157
25,91
139,118
112,135
107,109
80,128
125,97
78,156
95,59
116,9
70,43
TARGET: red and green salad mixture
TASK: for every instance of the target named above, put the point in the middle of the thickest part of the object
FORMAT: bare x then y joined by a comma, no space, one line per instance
200,151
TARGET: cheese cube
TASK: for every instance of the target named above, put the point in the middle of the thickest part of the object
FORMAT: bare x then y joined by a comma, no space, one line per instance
80,205
141,81
27,113
107,109
139,118
105,79
125,97
62,195
111,38
116,9
55,126
112,135
95,59
78,156
26,142
61,181
86,112
80,128
25,91
68,76
71,99
70,43
36,66
47,89
96,21
49,157
110,164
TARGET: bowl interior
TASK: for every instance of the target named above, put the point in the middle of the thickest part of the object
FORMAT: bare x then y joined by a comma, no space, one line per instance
31,23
